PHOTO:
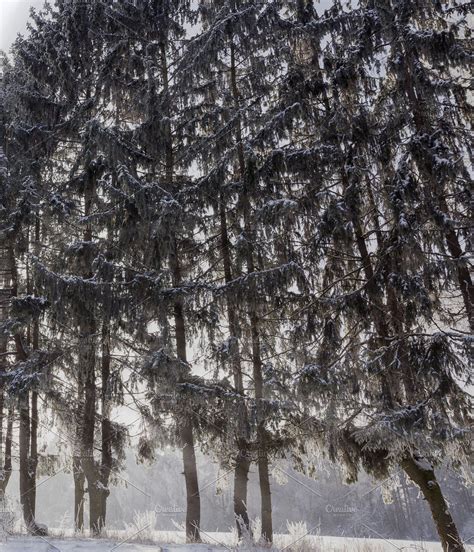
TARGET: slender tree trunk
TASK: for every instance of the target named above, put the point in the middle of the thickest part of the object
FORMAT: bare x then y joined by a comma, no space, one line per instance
5,296
242,460
241,477
27,491
193,500
424,477
262,463
464,275
88,430
33,460
24,441
7,461
77,470
95,499
87,359
79,494
106,454
26,485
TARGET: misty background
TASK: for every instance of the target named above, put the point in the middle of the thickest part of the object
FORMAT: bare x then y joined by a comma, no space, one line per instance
373,509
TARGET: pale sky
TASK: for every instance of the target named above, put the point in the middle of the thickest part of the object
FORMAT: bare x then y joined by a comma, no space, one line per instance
13,17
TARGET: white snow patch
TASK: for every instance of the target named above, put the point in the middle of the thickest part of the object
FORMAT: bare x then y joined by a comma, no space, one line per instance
323,544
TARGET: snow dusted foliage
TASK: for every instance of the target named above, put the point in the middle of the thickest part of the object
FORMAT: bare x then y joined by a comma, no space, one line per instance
256,211
374,118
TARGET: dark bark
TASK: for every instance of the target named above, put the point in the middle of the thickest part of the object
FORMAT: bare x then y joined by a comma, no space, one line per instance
88,429
264,479
193,500
262,463
79,494
87,359
106,430
265,491
263,471
242,461
241,476
94,490
5,296
462,266
7,464
77,470
424,477
27,483
24,439
33,460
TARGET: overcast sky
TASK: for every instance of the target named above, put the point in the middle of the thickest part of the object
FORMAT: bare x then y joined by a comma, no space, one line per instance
13,17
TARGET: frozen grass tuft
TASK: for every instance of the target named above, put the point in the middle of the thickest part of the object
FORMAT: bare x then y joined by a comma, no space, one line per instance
298,539
142,529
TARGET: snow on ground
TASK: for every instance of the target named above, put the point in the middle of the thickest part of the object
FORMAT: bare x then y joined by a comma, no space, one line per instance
35,544
312,544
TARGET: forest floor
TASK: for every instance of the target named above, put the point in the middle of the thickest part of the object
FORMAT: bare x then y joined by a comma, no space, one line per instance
313,544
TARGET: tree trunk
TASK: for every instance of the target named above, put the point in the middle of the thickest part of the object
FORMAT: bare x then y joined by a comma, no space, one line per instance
88,429
95,497
5,297
265,494
87,367
27,491
79,494
106,454
241,477
7,462
24,441
242,461
263,472
193,500
77,470
422,474
26,481
33,459
464,275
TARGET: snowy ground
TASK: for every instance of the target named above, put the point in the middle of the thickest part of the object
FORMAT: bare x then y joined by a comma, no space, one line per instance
311,544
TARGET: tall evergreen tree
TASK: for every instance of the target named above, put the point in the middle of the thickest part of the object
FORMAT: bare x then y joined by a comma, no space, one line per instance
395,386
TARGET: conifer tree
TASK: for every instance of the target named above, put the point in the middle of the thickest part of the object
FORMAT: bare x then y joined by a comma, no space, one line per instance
378,288
227,67
278,188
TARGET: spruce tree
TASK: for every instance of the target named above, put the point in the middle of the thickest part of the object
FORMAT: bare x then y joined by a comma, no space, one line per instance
391,380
